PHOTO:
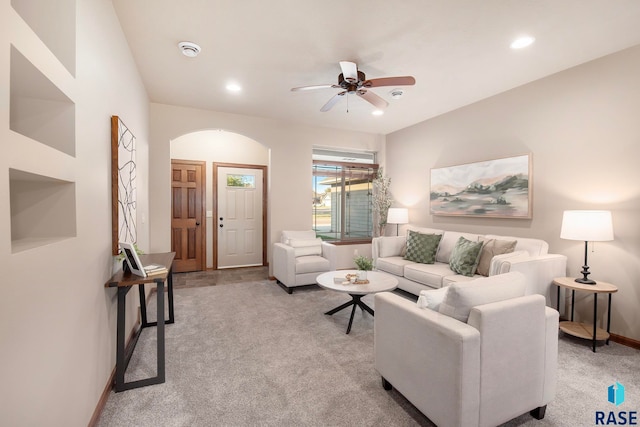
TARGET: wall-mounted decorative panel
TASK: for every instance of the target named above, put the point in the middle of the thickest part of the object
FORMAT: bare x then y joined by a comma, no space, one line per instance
123,184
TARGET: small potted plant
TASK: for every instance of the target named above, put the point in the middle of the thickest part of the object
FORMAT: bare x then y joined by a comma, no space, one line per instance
363,264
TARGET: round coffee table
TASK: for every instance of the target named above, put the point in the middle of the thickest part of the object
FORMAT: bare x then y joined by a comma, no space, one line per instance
378,282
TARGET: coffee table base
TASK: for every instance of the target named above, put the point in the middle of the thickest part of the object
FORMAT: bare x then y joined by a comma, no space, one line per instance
356,301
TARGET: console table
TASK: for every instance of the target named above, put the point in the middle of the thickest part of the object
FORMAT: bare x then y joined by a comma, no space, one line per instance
581,330
124,281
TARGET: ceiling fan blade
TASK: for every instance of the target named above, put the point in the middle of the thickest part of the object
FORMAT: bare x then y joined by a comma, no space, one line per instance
349,71
326,107
372,98
390,81
313,87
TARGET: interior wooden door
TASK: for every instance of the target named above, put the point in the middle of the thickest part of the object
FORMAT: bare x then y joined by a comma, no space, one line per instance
187,215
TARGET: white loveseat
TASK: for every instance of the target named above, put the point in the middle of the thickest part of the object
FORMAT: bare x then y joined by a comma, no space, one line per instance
300,257
494,360
529,257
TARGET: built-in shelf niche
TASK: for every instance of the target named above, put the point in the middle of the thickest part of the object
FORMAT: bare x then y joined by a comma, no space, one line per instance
38,109
43,210
54,22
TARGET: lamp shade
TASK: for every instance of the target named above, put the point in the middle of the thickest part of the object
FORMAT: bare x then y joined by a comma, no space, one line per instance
592,226
398,216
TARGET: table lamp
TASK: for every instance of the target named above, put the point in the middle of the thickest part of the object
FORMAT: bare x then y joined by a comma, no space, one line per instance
398,216
594,226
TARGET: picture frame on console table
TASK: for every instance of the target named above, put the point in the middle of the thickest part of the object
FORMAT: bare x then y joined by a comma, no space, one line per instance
499,188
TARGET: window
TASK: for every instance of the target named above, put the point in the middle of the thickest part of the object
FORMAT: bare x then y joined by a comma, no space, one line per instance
342,198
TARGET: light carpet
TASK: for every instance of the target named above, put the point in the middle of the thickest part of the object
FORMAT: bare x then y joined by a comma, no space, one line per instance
248,354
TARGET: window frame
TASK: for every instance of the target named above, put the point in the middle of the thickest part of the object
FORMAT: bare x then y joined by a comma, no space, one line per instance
343,239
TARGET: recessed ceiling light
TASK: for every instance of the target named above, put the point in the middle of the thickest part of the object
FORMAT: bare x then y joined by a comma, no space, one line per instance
189,49
521,42
377,112
234,87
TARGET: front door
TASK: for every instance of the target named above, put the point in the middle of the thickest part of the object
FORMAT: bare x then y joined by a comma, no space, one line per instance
187,215
240,215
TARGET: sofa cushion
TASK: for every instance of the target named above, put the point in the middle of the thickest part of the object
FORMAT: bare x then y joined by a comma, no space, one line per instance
312,264
462,297
428,274
448,242
305,235
464,257
491,248
422,247
393,265
432,298
306,247
534,247
391,246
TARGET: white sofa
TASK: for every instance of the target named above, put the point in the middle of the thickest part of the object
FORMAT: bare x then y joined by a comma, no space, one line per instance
495,366
300,257
529,257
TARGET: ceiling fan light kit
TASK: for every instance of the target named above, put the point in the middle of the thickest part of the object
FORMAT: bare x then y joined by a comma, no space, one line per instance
189,49
354,81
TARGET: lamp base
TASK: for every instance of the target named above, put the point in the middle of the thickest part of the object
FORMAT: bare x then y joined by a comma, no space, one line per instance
585,281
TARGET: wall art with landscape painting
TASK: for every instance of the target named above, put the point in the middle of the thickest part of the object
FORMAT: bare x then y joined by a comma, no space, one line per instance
499,188
123,184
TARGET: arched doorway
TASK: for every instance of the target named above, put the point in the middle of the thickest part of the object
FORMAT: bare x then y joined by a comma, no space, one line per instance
213,148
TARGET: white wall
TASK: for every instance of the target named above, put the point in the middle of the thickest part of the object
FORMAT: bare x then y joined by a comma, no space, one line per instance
220,147
581,126
290,145
57,321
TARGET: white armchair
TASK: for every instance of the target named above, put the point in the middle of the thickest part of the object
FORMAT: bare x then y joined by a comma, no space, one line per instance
484,371
300,257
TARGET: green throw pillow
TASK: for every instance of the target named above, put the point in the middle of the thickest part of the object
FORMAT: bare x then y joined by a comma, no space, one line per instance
465,256
422,247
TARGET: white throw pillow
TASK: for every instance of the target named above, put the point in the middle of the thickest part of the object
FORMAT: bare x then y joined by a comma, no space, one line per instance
432,298
306,247
391,246
462,297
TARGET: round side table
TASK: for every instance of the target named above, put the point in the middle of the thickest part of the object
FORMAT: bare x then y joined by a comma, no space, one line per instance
582,330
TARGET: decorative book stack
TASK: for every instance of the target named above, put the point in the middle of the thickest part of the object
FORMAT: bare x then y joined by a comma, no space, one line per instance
152,269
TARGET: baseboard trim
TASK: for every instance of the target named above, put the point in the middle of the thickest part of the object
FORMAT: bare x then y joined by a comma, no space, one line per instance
93,422
625,341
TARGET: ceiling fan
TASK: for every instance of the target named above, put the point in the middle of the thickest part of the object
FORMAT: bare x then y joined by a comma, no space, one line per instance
354,81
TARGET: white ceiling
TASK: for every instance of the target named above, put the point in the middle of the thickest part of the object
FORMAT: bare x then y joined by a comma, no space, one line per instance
458,51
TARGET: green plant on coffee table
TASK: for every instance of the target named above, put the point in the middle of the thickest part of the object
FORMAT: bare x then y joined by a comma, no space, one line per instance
363,263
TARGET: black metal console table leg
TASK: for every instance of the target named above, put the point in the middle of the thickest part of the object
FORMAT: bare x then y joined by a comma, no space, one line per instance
122,359
595,314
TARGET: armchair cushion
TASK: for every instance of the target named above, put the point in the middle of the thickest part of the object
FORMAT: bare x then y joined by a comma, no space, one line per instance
306,247
462,297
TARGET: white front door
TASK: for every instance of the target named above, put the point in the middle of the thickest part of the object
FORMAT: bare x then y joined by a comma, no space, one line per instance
239,219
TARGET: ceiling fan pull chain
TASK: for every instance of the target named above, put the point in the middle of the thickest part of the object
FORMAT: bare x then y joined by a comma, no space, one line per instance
347,102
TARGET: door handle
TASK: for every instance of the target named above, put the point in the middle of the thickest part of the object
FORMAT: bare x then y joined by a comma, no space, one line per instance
221,225
221,218
197,223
